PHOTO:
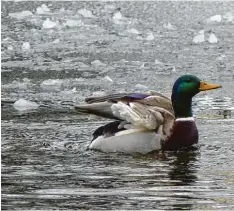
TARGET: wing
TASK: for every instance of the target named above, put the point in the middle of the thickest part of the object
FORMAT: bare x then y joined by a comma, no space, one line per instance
149,111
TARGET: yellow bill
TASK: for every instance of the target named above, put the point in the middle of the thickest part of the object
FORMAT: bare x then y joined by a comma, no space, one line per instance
207,86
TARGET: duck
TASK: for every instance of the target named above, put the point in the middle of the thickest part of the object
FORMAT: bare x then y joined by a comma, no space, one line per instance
143,122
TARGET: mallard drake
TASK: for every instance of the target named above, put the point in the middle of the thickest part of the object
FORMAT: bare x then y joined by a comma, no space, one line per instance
149,121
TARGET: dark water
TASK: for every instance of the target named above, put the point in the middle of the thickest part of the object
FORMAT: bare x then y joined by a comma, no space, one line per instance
45,161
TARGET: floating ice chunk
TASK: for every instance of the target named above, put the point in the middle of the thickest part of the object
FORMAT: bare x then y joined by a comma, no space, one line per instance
108,79
150,36
51,82
97,63
221,57
139,37
43,9
48,24
173,69
86,13
25,46
72,23
141,87
56,41
168,26
200,37
133,31
215,18
98,93
74,89
20,15
10,48
118,18
228,17
62,9
142,66
23,105
212,38
109,8
157,62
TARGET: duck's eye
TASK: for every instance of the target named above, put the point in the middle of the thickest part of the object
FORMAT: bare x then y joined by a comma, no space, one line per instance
188,80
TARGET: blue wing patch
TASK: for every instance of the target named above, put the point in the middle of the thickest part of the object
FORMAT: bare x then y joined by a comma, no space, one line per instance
138,96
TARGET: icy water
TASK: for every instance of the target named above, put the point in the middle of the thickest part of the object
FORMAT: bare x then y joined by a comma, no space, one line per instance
58,54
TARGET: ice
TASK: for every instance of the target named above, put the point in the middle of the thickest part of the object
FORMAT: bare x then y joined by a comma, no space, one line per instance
98,93
221,57
141,87
97,63
56,41
150,36
109,8
48,24
215,18
228,17
62,9
133,31
212,38
118,18
157,62
168,26
10,48
15,85
107,78
51,82
20,15
86,13
23,105
43,9
199,38
72,23
139,37
25,46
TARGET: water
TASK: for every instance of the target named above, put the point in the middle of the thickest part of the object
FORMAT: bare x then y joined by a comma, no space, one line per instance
45,160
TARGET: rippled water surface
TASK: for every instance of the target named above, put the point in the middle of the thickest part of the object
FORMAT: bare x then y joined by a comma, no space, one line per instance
120,47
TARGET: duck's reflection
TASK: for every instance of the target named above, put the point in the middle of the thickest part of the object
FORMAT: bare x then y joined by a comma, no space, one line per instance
183,167
184,173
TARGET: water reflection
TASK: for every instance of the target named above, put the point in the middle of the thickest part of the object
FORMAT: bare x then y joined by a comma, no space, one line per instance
184,172
184,168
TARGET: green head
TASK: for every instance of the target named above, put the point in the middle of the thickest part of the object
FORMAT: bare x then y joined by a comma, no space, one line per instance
184,89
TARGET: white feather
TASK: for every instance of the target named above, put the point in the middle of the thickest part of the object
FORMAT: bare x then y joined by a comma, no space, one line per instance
128,141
